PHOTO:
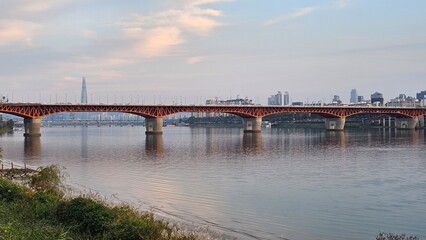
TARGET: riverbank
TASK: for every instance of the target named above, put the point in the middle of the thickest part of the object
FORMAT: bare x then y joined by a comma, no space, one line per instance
321,125
37,208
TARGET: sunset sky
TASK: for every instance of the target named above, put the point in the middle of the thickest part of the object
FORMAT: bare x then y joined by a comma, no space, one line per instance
174,51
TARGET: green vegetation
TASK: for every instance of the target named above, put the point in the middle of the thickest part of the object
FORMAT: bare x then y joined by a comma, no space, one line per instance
6,125
41,211
391,236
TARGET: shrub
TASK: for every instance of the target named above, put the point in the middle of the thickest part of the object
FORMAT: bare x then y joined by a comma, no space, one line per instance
89,216
391,236
128,225
10,191
48,178
44,204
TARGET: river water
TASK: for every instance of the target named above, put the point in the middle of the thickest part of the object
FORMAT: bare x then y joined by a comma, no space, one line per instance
286,183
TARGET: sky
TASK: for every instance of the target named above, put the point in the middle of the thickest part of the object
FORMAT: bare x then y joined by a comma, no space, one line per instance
187,51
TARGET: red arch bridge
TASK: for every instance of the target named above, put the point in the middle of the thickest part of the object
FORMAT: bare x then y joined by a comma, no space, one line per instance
335,116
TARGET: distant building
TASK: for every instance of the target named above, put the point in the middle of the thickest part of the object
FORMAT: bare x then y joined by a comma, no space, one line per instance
361,99
276,100
297,104
354,96
286,99
83,91
336,100
377,98
421,95
4,99
403,101
216,101
237,101
83,116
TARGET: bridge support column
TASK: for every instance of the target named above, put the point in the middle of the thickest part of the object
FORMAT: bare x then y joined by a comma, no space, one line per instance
252,125
154,126
421,121
32,127
334,124
407,123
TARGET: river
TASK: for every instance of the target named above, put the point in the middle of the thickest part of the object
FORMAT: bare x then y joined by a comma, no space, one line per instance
286,183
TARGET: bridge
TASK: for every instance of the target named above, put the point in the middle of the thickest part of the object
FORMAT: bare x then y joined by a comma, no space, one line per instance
335,116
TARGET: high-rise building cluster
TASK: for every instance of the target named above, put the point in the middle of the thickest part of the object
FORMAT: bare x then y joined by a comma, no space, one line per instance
276,100
376,99
279,99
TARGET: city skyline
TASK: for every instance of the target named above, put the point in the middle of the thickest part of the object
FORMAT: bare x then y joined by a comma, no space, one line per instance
198,49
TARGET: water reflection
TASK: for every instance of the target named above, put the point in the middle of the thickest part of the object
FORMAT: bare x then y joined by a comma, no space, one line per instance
84,147
335,138
154,146
211,141
32,148
253,143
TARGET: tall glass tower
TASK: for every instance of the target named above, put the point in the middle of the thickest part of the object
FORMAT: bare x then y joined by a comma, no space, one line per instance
354,96
83,91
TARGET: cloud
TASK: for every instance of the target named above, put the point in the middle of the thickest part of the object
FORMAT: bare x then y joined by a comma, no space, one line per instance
152,42
295,14
203,2
26,8
70,79
195,60
17,32
159,40
195,20
342,3
89,34
157,34
37,6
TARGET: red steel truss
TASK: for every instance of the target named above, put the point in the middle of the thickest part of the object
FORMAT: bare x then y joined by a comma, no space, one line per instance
31,110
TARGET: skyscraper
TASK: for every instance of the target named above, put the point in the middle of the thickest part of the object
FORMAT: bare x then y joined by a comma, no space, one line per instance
377,98
83,116
83,91
421,95
354,96
286,99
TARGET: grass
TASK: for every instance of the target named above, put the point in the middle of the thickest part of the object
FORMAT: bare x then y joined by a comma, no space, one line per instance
42,211
391,236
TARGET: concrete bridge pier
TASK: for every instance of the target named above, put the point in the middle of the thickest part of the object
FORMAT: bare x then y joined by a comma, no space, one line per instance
421,121
252,125
407,123
335,124
32,127
154,126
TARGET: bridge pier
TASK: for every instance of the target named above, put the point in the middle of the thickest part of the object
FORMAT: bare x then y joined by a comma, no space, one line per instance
421,121
32,127
154,126
335,124
252,125
407,123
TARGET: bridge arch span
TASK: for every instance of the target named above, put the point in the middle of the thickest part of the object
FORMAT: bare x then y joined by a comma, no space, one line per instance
252,115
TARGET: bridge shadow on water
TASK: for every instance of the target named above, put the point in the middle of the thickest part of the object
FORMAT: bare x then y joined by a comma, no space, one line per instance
252,143
154,146
32,149
228,141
